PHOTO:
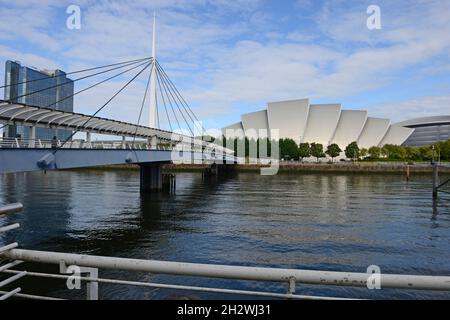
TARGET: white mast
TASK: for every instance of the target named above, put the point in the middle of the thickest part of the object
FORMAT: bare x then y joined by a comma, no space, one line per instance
153,110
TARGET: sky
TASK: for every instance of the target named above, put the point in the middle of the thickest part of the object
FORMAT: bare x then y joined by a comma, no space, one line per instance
232,57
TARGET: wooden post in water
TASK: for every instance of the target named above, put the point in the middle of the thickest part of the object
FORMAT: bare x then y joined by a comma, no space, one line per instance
407,172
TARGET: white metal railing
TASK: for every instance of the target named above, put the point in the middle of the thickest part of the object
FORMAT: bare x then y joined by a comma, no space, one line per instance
16,143
78,144
10,209
89,265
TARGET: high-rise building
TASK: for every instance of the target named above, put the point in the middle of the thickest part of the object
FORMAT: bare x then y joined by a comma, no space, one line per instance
19,89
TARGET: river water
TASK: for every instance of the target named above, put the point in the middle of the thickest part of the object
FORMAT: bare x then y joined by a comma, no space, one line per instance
339,222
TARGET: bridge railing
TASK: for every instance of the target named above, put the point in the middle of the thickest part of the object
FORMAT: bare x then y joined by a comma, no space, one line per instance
11,143
19,143
84,269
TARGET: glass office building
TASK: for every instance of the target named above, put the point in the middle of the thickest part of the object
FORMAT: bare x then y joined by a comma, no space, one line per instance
52,90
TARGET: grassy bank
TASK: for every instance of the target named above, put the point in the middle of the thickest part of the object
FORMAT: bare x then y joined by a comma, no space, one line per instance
361,167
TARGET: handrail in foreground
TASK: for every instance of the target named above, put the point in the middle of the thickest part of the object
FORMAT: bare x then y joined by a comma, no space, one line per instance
89,265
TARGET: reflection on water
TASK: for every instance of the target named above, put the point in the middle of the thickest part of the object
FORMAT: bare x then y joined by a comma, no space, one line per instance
314,221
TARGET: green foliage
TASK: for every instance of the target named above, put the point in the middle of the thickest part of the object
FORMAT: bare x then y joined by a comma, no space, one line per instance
317,151
352,151
363,153
394,152
374,152
304,151
333,150
412,153
426,153
288,149
443,149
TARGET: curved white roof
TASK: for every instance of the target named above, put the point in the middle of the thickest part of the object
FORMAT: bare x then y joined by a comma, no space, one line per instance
322,123
396,135
373,132
325,124
289,117
25,115
234,131
255,124
349,127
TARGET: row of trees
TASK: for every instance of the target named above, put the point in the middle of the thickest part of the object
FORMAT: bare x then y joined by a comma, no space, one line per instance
290,150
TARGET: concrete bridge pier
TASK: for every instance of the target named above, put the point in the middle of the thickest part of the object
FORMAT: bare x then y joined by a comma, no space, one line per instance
154,180
151,177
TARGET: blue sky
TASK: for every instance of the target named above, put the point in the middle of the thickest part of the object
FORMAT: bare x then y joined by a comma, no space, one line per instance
232,57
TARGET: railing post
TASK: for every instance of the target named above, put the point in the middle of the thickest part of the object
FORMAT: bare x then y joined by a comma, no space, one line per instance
92,273
9,209
92,286
291,285
32,140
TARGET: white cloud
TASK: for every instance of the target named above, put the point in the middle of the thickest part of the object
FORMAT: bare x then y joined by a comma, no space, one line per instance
228,54
414,108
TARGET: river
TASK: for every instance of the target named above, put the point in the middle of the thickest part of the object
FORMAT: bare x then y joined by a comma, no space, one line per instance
340,222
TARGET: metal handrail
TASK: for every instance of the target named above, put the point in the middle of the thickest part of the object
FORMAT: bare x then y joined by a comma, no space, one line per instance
179,287
90,264
11,208
354,279
19,143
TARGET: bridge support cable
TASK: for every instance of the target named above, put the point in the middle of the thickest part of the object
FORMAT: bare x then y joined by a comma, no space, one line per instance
72,81
163,86
164,103
74,72
177,105
180,96
143,103
97,84
176,100
104,105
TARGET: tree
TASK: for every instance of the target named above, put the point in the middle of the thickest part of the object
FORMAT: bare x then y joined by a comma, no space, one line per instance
394,152
304,151
444,150
426,153
363,153
333,151
289,148
375,152
412,153
352,151
317,151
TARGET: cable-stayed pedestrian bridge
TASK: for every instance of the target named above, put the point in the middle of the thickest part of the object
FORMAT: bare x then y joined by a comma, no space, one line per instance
180,140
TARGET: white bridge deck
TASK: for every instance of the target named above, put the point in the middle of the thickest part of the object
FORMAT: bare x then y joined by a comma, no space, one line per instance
21,155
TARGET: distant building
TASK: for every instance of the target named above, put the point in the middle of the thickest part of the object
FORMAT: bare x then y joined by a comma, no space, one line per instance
17,90
319,123
428,130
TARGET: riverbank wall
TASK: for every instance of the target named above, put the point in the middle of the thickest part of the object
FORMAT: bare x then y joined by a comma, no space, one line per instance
293,167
